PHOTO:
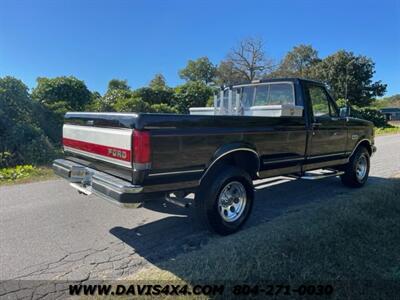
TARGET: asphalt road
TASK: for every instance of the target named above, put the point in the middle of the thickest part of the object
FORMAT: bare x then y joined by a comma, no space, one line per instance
49,231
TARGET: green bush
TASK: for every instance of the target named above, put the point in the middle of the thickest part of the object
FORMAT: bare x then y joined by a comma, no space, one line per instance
18,172
50,122
23,141
5,159
387,130
163,108
191,94
155,96
131,105
367,113
341,102
370,114
70,91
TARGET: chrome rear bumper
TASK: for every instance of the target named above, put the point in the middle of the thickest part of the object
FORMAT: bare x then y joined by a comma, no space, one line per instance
87,180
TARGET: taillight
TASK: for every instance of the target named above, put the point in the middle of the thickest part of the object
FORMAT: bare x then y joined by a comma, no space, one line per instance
141,147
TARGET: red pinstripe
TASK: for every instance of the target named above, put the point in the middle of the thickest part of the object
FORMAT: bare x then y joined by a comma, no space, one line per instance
97,149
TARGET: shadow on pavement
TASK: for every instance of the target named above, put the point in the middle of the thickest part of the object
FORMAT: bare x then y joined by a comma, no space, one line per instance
170,236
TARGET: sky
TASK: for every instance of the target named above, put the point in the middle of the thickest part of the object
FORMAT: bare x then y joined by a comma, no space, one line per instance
100,40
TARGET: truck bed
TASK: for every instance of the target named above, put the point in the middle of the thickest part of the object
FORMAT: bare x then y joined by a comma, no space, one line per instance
181,145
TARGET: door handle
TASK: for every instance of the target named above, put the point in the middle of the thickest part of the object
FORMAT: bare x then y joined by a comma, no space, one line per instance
314,126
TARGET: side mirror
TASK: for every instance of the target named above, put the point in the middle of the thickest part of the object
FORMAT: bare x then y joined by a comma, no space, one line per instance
345,112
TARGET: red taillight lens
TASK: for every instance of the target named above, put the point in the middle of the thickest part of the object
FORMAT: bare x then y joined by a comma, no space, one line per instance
141,147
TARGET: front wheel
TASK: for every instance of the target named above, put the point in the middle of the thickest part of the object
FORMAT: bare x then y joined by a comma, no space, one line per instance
357,170
224,202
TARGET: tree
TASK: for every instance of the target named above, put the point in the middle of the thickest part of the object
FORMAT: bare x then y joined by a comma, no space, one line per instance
297,62
131,104
349,76
228,75
155,95
191,94
117,90
117,84
22,138
201,69
111,98
163,108
69,92
14,100
247,61
158,82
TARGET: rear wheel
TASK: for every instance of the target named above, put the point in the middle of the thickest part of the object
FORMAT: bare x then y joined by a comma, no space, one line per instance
357,170
224,200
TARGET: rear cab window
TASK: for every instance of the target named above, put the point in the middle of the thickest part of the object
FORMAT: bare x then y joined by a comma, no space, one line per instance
268,94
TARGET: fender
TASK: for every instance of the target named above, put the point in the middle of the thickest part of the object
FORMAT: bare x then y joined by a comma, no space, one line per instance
227,149
358,144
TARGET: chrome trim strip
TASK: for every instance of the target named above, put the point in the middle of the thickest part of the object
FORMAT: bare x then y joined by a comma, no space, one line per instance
228,152
177,172
302,159
326,155
268,162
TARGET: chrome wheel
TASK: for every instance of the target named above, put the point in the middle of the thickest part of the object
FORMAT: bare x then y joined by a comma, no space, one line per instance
232,201
361,167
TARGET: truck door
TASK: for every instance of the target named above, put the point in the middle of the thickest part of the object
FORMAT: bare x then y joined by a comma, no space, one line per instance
328,132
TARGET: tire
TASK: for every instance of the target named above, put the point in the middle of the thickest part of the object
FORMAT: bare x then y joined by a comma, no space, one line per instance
225,199
357,169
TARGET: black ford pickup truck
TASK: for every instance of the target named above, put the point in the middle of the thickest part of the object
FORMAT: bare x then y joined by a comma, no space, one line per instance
278,127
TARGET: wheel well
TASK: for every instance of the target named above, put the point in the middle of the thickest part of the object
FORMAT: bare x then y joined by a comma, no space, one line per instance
245,160
365,144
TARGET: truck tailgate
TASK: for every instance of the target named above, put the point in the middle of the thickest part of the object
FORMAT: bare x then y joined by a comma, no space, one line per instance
111,145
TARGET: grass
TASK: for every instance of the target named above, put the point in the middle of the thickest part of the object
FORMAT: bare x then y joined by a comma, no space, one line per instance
394,123
387,130
393,127
352,240
25,174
